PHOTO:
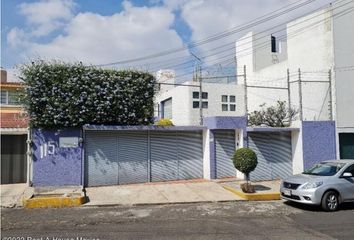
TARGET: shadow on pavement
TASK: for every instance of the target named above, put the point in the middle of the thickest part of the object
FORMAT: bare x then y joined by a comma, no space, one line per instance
314,208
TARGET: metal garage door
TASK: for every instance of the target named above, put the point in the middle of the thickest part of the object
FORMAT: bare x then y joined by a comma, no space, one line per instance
116,158
13,159
176,155
274,155
224,150
136,156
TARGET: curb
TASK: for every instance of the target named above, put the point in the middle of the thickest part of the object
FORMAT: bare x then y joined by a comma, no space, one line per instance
53,201
158,204
254,196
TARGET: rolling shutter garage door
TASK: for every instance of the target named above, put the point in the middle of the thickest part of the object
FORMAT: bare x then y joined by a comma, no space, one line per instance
224,150
274,155
176,155
116,157
123,157
132,157
102,160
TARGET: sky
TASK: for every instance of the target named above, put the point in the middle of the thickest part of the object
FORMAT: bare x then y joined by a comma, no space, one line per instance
107,31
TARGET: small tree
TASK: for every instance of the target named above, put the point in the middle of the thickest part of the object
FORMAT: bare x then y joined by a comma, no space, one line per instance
245,160
273,116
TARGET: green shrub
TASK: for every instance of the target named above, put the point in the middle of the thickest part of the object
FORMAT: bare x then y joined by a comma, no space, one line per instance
245,160
61,94
164,122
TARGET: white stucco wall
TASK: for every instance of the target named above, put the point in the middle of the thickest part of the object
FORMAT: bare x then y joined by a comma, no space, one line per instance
344,77
310,48
183,113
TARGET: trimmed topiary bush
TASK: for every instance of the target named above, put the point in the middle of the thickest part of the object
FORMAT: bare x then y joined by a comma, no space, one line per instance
61,94
164,122
245,160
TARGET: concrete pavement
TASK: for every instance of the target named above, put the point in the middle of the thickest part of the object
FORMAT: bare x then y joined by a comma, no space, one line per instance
159,193
11,194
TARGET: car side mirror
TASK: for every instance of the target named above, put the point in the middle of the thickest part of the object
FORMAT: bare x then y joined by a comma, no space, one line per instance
347,175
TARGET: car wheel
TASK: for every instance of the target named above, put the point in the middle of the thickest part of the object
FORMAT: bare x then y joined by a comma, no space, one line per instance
330,201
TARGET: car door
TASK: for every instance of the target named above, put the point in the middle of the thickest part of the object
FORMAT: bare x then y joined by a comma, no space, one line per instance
347,185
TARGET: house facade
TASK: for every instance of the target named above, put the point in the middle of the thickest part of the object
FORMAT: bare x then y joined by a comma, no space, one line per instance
14,128
181,102
210,118
310,67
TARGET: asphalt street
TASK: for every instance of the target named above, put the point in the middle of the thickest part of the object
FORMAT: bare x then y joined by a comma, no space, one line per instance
229,220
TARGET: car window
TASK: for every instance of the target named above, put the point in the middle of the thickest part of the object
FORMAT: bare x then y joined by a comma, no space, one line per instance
325,169
350,169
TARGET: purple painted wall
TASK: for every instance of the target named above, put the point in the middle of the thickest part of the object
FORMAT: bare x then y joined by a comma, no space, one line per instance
319,142
59,166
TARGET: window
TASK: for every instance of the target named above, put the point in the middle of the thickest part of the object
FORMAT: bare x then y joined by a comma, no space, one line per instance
166,107
13,98
196,96
9,97
3,97
350,169
226,103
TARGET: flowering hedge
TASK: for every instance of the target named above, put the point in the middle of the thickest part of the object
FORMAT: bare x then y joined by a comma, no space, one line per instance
70,95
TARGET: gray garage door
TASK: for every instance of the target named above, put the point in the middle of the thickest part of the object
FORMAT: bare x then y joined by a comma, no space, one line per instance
116,158
176,155
224,150
138,156
274,155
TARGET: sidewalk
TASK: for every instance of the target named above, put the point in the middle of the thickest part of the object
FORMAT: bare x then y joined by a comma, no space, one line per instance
11,194
159,193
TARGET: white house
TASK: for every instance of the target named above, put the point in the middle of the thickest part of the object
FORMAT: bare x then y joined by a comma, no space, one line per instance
181,102
315,61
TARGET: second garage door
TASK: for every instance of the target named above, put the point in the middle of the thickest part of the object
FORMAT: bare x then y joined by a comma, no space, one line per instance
274,155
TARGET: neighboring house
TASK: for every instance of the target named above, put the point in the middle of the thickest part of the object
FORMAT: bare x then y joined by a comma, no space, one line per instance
181,102
319,52
14,126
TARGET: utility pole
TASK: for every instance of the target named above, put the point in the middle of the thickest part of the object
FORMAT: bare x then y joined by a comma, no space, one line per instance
199,67
330,95
289,99
245,88
300,96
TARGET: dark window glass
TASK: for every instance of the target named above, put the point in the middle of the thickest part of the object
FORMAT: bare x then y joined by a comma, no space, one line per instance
232,98
195,94
350,169
195,104
224,107
4,97
224,98
204,95
204,104
232,107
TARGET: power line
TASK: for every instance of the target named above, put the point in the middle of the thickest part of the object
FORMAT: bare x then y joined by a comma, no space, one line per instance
244,43
257,21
